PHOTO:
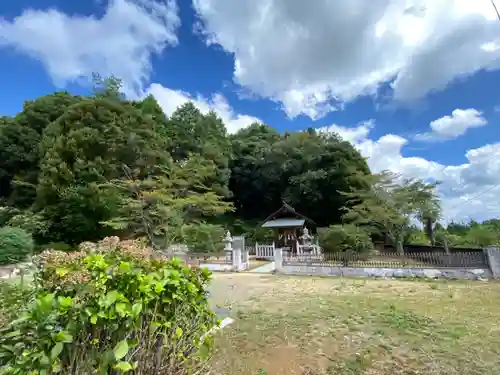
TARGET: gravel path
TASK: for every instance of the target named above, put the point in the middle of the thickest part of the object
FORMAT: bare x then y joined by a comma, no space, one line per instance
267,268
228,289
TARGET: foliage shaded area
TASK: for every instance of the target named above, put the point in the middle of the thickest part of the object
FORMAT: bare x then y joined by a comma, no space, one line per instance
112,307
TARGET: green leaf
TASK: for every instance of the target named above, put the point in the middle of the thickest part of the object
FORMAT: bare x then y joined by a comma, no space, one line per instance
121,309
137,308
65,302
63,336
125,267
44,360
178,332
120,350
93,319
204,351
111,298
61,272
123,366
56,350
12,334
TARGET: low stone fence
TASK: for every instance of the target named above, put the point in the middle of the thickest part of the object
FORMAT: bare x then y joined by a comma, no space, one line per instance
234,258
231,261
471,266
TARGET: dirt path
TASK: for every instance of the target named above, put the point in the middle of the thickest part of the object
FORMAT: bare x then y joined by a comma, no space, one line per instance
228,289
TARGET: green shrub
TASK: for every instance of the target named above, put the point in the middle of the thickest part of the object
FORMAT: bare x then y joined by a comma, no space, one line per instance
110,312
203,238
15,245
345,238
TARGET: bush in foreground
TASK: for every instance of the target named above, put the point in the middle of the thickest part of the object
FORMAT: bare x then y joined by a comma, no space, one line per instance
15,245
111,309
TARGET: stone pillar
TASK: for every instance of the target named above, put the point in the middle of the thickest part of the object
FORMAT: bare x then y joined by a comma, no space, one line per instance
278,259
237,265
493,256
228,247
246,259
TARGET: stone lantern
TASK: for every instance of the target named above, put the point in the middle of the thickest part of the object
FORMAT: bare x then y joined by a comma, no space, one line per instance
306,238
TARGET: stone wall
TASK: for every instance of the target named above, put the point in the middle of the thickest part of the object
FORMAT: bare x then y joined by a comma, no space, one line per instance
493,254
442,273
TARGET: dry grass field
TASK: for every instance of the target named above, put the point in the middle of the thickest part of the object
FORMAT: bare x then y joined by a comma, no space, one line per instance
332,326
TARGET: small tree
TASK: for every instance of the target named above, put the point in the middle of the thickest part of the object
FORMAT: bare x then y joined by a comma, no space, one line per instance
388,206
165,205
15,245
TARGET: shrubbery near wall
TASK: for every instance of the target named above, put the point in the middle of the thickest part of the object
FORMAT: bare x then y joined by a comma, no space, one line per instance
346,238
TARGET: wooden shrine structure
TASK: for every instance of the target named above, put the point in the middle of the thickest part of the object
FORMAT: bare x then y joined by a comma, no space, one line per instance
289,225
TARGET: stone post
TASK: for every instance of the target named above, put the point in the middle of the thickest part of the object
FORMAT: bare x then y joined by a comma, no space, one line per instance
246,258
493,256
278,259
237,265
239,244
228,247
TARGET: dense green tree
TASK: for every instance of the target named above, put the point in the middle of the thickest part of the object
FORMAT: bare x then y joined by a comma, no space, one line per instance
191,132
87,146
254,178
17,152
315,169
19,140
306,169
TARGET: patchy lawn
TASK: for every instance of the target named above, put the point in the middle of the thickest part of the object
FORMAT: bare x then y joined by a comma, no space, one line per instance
305,325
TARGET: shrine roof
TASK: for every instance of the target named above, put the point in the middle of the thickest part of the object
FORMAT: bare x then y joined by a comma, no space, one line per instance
283,223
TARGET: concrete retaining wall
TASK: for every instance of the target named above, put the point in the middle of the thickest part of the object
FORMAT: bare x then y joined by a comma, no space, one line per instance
442,273
217,267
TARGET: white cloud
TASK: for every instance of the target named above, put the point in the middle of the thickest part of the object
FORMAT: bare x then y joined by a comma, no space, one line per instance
72,47
468,191
450,127
313,58
170,100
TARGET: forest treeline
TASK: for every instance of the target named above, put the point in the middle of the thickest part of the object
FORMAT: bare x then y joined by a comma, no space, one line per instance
79,168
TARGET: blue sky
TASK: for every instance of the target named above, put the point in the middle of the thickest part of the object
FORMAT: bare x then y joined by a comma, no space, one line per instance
414,84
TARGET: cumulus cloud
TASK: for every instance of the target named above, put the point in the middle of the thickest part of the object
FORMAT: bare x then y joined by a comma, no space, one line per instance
170,100
312,59
72,47
450,127
469,190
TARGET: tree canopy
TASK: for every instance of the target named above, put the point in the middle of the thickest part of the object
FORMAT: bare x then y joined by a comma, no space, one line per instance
306,169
